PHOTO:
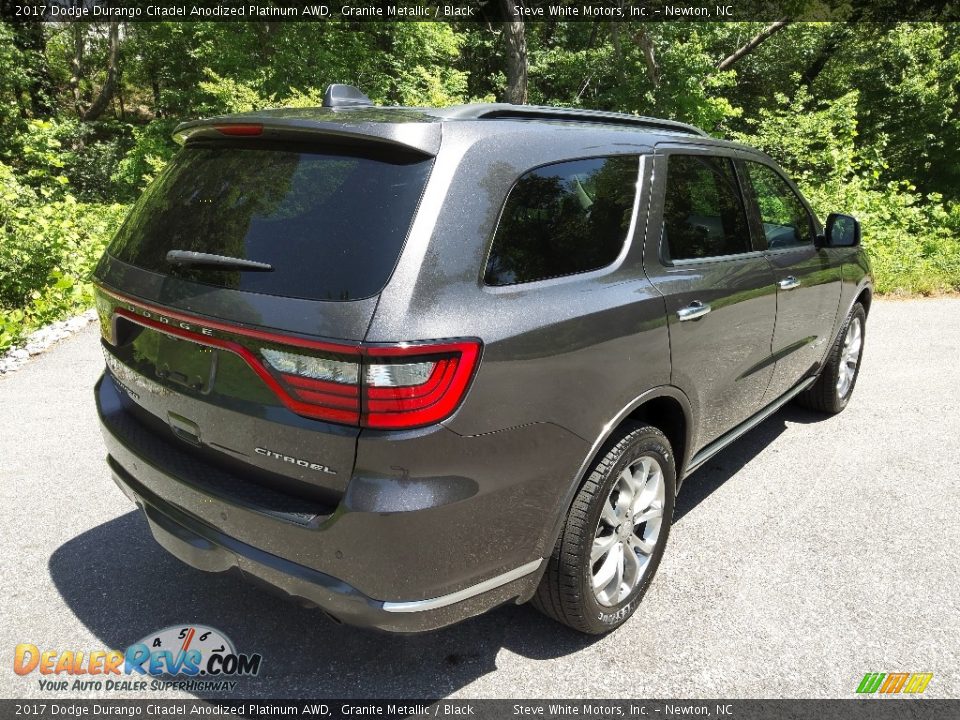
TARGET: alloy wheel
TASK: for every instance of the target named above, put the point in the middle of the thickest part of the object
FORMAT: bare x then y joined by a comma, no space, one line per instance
849,357
627,532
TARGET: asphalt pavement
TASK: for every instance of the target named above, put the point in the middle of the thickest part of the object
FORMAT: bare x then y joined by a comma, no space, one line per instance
810,552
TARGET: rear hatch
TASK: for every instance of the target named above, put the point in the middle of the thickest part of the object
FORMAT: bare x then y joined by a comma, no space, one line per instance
234,298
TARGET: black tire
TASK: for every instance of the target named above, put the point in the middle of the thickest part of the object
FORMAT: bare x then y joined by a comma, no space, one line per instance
823,395
566,591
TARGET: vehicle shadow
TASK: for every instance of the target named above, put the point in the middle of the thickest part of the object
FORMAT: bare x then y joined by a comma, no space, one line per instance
727,463
122,586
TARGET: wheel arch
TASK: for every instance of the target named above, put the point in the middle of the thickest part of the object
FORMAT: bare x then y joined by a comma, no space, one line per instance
671,416
667,408
864,297
659,406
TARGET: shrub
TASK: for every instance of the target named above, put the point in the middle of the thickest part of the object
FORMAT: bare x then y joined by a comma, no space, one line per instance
48,249
911,238
152,148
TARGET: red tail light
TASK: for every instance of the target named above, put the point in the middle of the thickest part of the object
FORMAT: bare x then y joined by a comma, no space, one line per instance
380,386
386,386
433,381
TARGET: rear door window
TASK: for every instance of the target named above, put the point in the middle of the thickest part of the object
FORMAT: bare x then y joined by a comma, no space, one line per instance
564,219
332,223
703,213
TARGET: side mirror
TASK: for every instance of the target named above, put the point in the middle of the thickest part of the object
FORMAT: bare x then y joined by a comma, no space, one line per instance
841,231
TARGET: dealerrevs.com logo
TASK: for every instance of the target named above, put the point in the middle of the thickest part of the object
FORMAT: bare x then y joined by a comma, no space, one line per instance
186,657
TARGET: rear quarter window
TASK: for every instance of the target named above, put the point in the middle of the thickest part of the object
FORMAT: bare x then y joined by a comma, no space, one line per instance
564,219
332,223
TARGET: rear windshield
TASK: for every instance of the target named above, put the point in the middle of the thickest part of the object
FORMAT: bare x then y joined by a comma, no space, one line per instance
331,224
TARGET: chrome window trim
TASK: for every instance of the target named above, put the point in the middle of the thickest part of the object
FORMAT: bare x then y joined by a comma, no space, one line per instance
687,262
586,274
791,248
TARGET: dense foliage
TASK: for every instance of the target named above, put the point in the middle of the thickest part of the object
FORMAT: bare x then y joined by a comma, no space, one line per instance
865,116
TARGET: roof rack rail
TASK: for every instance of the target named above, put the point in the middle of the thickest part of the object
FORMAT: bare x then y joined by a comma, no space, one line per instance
493,111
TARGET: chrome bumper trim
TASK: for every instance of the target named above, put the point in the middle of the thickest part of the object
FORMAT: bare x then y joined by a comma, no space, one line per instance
466,593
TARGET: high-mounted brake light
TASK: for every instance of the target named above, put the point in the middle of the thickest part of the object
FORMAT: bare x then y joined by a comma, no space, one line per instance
245,130
384,386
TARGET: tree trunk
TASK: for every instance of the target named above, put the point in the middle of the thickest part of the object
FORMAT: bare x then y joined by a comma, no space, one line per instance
617,49
829,49
516,40
76,64
835,39
650,58
753,43
155,88
110,84
28,37
122,108
593,35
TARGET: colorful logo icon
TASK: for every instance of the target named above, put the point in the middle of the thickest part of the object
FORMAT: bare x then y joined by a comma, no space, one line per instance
893,683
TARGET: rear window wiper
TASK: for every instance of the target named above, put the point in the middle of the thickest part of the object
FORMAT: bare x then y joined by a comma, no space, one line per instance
187,258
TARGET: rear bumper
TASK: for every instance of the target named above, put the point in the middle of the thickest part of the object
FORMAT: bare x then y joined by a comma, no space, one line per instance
206,548
368,563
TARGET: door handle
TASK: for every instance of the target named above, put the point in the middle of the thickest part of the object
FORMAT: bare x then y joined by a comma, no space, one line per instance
693,311
789,283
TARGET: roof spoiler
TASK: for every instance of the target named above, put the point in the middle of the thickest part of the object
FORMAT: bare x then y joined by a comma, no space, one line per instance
417,139
364,125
